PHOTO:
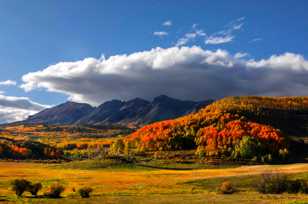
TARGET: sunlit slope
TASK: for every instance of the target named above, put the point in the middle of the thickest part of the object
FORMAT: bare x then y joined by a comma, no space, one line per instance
289,114
224,127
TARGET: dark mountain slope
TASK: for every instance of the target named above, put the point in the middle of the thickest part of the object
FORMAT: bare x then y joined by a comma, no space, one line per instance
139,111
66,113
164,107
115,112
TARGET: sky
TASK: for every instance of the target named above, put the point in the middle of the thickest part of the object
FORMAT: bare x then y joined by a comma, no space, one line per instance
97,50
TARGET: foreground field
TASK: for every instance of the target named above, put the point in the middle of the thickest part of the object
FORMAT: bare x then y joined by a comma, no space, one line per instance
131,184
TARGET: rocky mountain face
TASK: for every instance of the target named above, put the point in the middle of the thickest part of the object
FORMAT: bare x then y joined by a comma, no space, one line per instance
115,112
66,113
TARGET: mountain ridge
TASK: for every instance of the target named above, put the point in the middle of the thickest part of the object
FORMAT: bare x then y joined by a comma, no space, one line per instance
135,112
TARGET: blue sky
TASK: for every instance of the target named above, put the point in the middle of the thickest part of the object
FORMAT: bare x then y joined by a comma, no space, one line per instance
35,34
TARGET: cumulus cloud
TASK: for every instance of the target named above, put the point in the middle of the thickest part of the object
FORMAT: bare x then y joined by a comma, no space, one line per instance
182,72
160,33
17,108
167,23
8,83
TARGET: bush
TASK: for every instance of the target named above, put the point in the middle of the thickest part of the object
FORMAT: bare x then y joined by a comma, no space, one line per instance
55,191
226,188
85,192
272,183
35,188
20,186
278,183
293,186
304,187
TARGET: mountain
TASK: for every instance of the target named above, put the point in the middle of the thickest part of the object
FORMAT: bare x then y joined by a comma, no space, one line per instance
139,111
115,112
237,128
66,113
164,107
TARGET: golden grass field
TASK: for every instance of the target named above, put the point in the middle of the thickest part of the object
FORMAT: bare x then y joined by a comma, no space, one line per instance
144,185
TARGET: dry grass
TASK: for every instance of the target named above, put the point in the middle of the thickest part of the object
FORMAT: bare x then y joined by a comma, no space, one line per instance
124,185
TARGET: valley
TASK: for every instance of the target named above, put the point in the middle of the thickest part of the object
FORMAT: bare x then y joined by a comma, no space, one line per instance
153,102
133,184
235,139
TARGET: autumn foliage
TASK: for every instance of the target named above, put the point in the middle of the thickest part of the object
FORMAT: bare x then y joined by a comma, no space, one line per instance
15,149
217,130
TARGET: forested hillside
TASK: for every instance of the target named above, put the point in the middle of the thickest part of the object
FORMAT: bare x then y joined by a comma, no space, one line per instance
25,149
237,128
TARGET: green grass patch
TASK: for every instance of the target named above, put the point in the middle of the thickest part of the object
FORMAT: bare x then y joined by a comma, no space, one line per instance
99,164
243,183
179,165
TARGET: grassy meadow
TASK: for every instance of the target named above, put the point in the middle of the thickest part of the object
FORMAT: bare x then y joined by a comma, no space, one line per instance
129,183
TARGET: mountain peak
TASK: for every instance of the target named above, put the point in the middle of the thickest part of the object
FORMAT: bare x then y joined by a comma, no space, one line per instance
65,113
138,101
72,103
162,98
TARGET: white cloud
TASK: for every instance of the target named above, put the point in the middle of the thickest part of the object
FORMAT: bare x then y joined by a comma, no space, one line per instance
8,83
160,33
17,108
167,23
255,40
8,114
226,35
288,61
215,40
240,55
190,36
182,72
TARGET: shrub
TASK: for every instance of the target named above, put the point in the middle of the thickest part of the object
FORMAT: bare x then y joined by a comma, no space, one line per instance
55,191
226,188
85,192
35,188
303,187
20,186
272,183
293,186
278,183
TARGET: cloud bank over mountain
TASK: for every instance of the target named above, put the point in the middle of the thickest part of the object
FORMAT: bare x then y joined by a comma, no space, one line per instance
181,72
17,108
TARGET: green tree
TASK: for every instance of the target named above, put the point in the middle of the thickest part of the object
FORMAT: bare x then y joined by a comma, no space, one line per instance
247,148
117,147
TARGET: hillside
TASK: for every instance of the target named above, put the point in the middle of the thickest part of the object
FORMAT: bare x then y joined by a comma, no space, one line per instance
132,113
25,149
240,128
289,114
66,113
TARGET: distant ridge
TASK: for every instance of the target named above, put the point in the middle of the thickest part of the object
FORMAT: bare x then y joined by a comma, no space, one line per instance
66,113
134,112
